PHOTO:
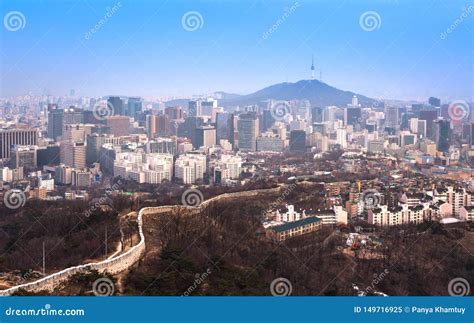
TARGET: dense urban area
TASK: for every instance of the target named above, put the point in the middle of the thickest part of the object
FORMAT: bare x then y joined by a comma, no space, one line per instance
195,197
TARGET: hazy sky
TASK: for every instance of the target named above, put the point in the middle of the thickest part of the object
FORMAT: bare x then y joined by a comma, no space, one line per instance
416,49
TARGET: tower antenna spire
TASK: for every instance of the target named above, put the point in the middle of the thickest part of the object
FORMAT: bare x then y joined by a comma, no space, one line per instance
312,67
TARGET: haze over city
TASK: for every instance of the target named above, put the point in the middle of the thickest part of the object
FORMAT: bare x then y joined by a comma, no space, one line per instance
142,48
237,148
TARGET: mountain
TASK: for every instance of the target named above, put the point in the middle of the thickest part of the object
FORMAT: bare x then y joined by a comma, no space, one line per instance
318,93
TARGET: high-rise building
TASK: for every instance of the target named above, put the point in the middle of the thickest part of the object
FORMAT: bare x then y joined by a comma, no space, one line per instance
174,113
267,120
298,141
194,108
269,142
55,121
58,118
73,154
429,115
316,114
434,102
228,167
472,134
48,155
159,126
94,143
188,127
190,168
341,137
225,127
152,168
134,107
24,156
442,135
77,132
81,178
118,125
12,137
207,106
248,129
116,104
63,174
162,146
352,115
204,137
392,117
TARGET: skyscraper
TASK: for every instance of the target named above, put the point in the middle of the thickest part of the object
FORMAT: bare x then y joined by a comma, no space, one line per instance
442,135
12,137
352,113
55,121
194,108
225,127
174,113
434,102
24,156
207,106
118,125
392,117
316,114
116,103
248,130
58,118
94,143
73,154
134,107
298,141
430,115
205,136
267,120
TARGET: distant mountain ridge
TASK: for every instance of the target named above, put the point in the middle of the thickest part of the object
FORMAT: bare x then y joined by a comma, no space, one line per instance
318,93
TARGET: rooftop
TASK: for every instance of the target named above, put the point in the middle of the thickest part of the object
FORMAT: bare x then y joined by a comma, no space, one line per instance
295,224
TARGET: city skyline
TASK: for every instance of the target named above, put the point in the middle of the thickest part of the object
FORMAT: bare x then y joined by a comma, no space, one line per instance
179,50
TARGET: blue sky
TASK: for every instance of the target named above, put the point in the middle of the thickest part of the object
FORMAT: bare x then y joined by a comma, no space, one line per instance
143,49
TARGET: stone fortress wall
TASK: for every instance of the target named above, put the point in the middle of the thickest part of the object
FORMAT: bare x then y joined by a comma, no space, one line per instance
124,261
